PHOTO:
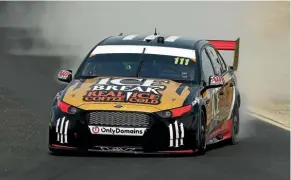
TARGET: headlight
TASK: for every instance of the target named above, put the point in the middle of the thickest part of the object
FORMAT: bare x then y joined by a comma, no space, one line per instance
66,108
172,113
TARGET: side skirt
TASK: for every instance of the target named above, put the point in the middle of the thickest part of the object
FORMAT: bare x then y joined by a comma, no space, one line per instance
220,134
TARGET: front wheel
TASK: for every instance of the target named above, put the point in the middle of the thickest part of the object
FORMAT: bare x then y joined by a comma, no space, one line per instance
201,144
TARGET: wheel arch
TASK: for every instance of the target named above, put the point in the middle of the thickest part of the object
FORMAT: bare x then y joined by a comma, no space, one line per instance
237,97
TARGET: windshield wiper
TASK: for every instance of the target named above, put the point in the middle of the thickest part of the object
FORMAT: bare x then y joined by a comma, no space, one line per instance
140,63
184,81
86,77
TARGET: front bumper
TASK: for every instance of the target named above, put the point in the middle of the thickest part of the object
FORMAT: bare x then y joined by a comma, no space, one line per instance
74,132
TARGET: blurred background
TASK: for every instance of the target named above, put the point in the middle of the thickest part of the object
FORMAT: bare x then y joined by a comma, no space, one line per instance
71,29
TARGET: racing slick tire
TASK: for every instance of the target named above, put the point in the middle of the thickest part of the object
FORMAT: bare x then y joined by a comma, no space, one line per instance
234,126
201,143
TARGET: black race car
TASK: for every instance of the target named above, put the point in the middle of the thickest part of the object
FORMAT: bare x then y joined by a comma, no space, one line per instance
148,94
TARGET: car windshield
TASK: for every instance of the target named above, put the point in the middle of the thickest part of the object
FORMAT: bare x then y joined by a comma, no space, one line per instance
141,65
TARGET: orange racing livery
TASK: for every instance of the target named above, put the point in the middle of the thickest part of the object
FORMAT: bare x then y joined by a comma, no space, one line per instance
148,94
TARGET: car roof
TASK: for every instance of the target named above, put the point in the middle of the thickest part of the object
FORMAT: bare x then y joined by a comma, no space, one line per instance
169,41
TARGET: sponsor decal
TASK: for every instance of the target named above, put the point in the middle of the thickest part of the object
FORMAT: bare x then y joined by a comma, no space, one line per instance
62,130
117,131
143,91
64,74
184,75
116,149
176,129
216,80
157,50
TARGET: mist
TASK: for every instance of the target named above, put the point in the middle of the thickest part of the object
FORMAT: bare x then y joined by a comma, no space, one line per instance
73,28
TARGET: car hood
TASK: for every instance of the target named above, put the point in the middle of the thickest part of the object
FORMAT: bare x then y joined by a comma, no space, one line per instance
127,94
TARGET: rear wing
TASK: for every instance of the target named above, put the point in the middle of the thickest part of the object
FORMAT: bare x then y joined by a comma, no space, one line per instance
228,45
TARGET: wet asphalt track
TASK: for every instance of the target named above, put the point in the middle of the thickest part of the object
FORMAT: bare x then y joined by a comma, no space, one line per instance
27,86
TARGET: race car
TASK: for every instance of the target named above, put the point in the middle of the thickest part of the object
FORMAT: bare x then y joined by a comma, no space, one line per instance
148,94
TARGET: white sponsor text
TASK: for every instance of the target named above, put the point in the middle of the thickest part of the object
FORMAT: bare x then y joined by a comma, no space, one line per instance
117,131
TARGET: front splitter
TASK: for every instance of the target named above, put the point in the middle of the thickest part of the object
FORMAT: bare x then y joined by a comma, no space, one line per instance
122,150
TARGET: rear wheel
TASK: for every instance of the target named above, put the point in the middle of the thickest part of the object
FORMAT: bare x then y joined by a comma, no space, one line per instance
235,126
201,144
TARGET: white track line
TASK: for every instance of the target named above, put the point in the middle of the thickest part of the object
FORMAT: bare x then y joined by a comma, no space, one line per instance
269,120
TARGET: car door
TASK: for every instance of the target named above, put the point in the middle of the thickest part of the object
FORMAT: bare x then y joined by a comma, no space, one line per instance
228,89
225,92
210,95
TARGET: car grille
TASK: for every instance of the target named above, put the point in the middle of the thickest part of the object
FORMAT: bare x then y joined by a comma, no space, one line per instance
125,119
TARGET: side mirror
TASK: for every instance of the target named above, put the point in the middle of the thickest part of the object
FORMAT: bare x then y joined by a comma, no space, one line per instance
215,82
65,76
